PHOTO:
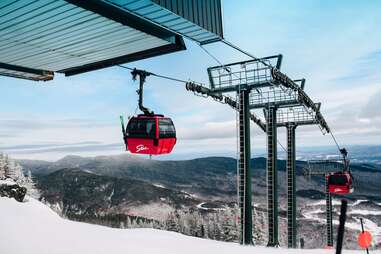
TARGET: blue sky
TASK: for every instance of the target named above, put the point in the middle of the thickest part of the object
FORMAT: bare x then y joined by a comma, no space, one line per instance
335,45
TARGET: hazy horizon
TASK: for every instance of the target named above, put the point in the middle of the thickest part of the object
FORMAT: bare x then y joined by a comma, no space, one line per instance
303,153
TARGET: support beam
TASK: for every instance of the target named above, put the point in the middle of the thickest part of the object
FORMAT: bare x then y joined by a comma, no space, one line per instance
278,104
22,72
328,200
244,173
113,12
191,86
157,51
291,187
272,178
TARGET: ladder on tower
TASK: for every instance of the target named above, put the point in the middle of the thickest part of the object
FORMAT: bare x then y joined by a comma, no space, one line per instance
291,185
244,174
272,180
241,164
328,200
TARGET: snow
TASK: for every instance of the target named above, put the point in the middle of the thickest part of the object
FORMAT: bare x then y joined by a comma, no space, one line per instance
359,202
201,206
364,212
313,215
88,171
159,186
369,225
7,182
111,195
33,228
322,202
157,210
190,195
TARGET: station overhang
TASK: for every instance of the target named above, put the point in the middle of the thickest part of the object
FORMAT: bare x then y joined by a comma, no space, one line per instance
40,37
198,20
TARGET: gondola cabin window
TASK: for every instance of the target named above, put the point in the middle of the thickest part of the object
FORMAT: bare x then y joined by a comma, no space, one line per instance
141,128
166,128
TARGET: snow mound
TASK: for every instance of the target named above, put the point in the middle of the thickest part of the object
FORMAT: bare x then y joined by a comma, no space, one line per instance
7,182
33,228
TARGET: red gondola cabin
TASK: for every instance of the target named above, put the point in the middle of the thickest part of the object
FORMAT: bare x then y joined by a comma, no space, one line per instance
340,183
150,134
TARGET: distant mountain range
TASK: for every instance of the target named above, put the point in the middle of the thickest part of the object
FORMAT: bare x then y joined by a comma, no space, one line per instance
82,192
357,153
77,186
211,177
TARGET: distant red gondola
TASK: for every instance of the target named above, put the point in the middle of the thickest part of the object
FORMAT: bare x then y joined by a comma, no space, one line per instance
340,183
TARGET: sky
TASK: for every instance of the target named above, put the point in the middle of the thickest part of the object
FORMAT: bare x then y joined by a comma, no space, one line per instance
335,45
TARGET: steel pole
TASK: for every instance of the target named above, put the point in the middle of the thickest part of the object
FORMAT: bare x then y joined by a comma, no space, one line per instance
328,200
362,230
245,192
272,178
340,232
291,187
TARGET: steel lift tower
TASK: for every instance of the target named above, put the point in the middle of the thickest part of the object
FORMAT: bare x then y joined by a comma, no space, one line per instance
259,84
309,113
282,108
241,78
291,118
323,168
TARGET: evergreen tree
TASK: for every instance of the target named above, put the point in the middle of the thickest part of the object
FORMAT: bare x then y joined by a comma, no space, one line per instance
31,186
10,169
216,227
259,224
229,233
192,223
2,166
209,230
202,231
7,169
15,172
171,223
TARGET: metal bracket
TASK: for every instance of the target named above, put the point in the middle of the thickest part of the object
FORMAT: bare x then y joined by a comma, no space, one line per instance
142,78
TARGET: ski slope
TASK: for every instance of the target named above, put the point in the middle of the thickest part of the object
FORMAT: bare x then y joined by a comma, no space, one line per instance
33,228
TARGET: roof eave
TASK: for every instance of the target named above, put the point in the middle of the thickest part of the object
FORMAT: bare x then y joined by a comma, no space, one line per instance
166,49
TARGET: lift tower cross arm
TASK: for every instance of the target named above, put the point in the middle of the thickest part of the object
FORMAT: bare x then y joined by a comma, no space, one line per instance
199,89
303,98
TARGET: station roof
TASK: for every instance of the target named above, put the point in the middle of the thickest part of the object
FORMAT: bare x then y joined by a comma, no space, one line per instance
199,20
40,37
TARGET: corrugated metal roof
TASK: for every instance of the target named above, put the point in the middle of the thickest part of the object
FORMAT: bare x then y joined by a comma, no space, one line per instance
58,36
200,20
39,37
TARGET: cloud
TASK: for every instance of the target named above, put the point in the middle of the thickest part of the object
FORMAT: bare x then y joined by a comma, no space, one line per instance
363,71
372,109
209,130
39,124
69,149
51,145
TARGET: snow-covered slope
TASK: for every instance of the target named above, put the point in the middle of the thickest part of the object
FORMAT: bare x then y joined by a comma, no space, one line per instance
33,228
